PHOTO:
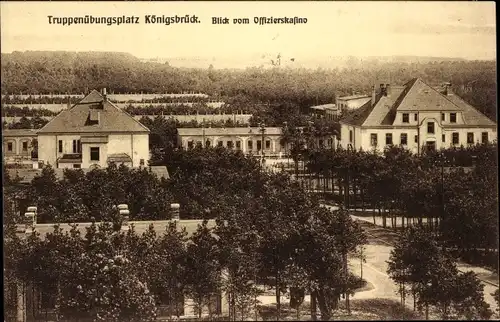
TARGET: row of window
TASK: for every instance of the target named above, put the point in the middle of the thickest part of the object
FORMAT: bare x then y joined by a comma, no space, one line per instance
230,144
77,146
10,146
406,117
455,138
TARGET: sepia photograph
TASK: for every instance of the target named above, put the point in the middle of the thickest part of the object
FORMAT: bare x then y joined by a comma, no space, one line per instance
249,161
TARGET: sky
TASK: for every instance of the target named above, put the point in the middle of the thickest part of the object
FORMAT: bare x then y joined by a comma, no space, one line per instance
333,29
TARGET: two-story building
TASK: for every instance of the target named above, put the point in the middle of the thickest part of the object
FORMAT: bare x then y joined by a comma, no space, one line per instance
417,117
93,133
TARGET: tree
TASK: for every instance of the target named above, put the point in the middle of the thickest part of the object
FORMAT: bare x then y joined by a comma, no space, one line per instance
203,272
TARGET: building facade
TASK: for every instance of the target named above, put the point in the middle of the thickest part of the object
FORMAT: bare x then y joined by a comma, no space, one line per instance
93,133
415,116
19,146
249,140
327,111
352,102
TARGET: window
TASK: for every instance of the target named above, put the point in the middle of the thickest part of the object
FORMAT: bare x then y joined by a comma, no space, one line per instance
430,127
415,117
207,143
404,139
60,146
350,136
238,145
25,146
9,147
470,138
259,145
77,148
199,144
250,145
416,138
268,144
220,143
141,162
77,166
229,144
442,117
443,137
94,154
484,137
453,117
406,118
373,139
190,144
454,138
388,139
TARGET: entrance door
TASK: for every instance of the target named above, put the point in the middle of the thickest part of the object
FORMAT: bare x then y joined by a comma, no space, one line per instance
431,145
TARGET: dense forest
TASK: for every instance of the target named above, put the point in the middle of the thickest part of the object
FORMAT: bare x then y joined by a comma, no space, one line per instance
35,72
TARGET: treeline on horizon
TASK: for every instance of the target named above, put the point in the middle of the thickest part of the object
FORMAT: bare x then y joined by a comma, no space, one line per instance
76,72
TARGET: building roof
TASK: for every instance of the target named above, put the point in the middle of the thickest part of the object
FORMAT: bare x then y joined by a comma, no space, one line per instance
119,157
414,96
324,107
353,97
160,171
229,131
140,227
70,158
19,132
471,115
76,119
27,175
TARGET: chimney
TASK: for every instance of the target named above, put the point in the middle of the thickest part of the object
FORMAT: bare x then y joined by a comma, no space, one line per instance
383,90
124,216
374,95
104,92
175,210
69,102
446,90
387,89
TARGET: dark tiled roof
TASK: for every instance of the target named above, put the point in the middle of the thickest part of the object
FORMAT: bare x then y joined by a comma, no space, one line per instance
358,116
75,119
19,132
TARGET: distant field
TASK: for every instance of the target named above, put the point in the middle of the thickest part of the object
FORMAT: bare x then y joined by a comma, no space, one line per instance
117,97
241,118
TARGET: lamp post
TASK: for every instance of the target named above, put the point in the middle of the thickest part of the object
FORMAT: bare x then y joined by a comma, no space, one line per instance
286,142
262,130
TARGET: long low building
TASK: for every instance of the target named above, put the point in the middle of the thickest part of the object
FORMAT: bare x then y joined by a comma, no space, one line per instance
249,140
246,139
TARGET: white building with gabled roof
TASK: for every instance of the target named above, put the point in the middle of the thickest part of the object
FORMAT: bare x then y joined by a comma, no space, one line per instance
93,133
417,117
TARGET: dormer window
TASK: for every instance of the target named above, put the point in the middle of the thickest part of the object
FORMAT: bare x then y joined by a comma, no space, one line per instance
94,116
406,118
453,117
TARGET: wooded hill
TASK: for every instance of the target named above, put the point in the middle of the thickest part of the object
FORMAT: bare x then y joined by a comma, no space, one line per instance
36,72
